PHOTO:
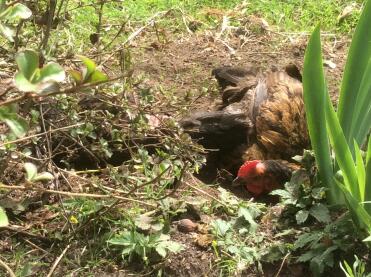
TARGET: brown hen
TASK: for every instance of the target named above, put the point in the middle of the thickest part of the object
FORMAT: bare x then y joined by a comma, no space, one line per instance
262,117
276,109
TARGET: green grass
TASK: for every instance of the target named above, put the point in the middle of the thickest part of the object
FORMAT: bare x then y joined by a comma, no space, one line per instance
290,15
299,15
284,16
140,9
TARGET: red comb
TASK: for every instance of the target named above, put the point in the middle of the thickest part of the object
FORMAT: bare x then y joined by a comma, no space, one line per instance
247,168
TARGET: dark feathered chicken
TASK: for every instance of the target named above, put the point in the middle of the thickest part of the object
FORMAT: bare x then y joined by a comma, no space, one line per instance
274,105
267,109
235,82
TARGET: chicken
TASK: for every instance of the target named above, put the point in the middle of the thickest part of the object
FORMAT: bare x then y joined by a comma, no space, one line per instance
261,118
275,107
235,82
261,177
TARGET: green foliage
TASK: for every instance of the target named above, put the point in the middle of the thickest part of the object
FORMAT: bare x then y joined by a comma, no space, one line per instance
319,110
3,218
355,95
314,100
10,13
32,176
90,74
303,197
146,8
135,122
321,241
358,269
31,78
319,246
18,125
134,243
81,208
298,15
238,241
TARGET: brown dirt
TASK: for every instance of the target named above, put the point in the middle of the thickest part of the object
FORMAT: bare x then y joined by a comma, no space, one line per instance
183,65
192,261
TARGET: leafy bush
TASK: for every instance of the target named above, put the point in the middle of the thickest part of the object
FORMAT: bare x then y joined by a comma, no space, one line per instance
318,247
10,13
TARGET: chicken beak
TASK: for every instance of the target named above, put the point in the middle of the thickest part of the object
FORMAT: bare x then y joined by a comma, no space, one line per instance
238,181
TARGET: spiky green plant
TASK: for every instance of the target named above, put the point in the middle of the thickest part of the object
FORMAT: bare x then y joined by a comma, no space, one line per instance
347,175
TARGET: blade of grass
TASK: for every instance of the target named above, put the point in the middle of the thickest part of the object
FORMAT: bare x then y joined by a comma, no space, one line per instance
361,122
314,100
361,171
358,57
359,215
368,178
343,155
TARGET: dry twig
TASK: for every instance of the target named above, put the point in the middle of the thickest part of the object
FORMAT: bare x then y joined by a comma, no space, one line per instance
7,268
57,261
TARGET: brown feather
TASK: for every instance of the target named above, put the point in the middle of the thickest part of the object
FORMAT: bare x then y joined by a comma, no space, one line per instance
280,123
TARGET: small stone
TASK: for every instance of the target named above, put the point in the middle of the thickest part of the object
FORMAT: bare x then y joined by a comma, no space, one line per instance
186,225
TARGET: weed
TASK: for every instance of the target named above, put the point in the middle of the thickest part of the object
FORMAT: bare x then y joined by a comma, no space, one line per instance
236,240
134,243
358,269
320,245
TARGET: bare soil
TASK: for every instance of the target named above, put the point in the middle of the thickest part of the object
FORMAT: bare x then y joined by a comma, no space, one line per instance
183,65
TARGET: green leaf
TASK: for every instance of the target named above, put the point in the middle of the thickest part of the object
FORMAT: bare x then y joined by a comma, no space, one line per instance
52,72
358,58
347,270
43,176
7,32
361,121
307,256
28,63
90,67
23,84
47,87
359,215
19,11
161,250
31,171
368,178
342,151
76,76
247,215
3,218
221,227
174,247
321,213
31,78
361,171
301,216
97,76
27,270
307,238
314,93
17,124
282,193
